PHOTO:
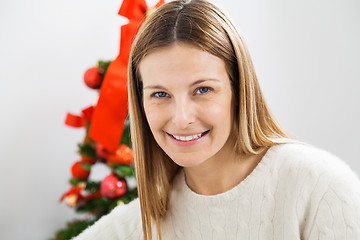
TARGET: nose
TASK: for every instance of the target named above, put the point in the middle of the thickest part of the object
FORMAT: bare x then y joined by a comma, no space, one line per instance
183,114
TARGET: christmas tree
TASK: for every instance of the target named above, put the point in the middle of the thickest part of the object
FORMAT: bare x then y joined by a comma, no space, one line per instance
107,134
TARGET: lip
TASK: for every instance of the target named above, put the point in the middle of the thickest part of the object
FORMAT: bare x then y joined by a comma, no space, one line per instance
187,143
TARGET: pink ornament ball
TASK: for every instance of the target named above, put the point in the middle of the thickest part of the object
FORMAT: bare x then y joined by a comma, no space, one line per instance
112,187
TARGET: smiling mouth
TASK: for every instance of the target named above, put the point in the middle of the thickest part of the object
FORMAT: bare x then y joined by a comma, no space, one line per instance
190,137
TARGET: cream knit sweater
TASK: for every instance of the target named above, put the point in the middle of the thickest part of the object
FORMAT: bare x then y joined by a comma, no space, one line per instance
295,192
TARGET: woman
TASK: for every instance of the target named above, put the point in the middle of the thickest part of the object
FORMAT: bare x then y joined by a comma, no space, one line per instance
211,162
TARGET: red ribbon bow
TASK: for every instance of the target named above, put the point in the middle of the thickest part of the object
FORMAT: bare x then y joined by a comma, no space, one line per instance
107,123
79,121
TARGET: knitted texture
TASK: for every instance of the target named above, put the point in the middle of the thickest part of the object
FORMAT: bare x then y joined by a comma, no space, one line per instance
295,192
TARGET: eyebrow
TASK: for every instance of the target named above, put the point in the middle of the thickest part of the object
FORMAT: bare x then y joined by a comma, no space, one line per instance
159,87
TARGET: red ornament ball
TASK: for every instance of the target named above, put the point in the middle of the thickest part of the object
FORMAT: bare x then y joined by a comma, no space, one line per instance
112,187
80,170
93,77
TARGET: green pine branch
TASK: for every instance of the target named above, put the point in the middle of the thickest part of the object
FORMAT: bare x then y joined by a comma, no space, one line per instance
103,65
126,138
87,149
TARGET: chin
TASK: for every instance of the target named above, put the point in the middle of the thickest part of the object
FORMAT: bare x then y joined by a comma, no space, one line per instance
187,162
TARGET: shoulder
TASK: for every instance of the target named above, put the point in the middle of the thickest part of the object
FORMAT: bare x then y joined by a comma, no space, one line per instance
312,173
123,222
324,176
309,160
131,209
326,190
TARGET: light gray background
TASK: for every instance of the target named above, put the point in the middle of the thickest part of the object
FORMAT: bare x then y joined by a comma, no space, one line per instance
306,54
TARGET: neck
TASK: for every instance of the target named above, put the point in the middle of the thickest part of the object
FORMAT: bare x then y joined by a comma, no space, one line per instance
221,174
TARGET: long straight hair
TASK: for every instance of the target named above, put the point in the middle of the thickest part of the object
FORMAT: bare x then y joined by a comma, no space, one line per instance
203,25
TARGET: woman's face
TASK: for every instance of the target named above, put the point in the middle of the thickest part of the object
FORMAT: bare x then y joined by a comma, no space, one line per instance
187,99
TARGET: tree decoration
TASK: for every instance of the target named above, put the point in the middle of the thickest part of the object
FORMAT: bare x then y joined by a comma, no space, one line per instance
112,187
107,134
79,121
93,77
73,196
80,170
111,110
88,160
123,155
102,153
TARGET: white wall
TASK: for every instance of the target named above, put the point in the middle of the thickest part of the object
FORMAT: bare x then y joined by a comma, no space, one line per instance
306,54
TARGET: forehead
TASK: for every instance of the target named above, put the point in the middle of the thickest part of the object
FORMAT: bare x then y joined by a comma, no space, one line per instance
180,61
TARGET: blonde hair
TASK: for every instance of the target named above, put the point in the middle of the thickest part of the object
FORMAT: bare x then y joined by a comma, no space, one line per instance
203,25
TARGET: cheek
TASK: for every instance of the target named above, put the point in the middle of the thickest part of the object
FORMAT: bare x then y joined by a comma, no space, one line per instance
153,116
218,111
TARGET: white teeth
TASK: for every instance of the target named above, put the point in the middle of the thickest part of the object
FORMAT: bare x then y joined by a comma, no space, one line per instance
187,138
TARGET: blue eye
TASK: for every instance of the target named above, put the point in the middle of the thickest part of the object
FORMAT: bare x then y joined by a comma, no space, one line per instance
202,90
160,94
